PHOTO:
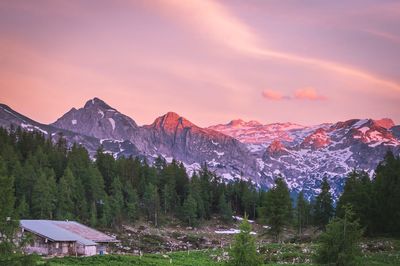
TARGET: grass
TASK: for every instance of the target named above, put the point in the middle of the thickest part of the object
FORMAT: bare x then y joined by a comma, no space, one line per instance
273,254
195,258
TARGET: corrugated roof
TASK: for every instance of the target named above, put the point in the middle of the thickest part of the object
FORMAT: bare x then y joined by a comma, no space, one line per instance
50,230
85,231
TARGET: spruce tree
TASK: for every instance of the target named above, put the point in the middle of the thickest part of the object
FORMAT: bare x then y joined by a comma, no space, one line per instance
278,207
66,195
116,201
224,208
339,244
244,250
323,208
151,200
189,210
385,215
302,213
8,219
132,204
44,196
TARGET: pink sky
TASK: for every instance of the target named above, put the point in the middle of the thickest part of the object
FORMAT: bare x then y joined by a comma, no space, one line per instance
211,61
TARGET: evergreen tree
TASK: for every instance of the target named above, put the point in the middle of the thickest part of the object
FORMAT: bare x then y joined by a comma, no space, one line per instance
189,210
225,210
8,219
66,194
323,208
93,215
302,213
132,204
106,213
278,207
244,250
23,208
385,216
357,193
44,196
116,201
339,244
151,200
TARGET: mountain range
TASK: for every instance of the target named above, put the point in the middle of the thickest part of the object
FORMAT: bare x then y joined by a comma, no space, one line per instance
302,155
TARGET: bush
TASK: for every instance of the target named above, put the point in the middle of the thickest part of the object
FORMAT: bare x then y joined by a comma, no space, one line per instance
244,250
339,245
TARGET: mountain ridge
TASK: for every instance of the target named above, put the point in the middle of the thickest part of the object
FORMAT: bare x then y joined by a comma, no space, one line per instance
302,155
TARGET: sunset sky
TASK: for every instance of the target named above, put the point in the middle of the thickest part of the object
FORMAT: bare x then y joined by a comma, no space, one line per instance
210,61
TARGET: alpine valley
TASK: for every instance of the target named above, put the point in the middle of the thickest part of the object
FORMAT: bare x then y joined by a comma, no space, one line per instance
302,155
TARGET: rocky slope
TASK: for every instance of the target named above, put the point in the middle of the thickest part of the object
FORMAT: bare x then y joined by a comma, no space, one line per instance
304,154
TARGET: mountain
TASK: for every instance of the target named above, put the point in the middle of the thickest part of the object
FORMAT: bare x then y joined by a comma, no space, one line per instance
173,136
170,136
98,119
302,155
12,119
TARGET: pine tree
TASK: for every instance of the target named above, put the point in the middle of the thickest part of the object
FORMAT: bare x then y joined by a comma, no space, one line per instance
357,193
278,207
106,213
302,213
225,210
117,201
385,215
23,208
44,196
244,250
66,194
339,244
93,215
323,208
151,200
189,210
132,204
8,219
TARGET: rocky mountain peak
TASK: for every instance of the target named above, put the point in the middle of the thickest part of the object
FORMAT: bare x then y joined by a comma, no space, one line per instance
97,103
241,123
385,123
316,140
276,147
171,121
236,122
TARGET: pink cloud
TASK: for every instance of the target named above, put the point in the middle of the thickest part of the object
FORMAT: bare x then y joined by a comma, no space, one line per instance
300,94
308,94
273,95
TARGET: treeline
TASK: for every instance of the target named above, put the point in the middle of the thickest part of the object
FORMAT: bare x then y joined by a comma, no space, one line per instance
375,202
47,180
51,181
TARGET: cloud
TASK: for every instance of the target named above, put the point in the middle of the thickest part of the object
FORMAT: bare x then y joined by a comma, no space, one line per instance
383,34
300,94
216,22
273,95
308,94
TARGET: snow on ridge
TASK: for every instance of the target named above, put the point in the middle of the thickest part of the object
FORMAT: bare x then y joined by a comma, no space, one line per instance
112,122
101,113
360,123
219,153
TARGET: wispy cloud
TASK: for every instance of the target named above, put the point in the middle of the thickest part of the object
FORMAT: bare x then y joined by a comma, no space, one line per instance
300,94
273,95
383,34
308,94
216,22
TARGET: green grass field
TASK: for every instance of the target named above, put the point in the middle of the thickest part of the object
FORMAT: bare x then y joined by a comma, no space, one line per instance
273,254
